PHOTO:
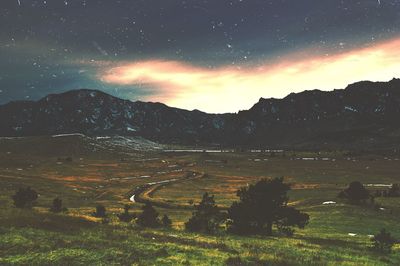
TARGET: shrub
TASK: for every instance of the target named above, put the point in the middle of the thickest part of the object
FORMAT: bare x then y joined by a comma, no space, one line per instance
100,211
149,216
57,206
206,217
24,197
355,193
383,241
166,222
126,216
261,206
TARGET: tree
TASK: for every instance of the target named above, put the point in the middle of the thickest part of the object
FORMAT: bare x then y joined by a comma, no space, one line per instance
383,241
261,206
206,217
100,211
166,222
57,206
126,216
149,216
355,193
24,197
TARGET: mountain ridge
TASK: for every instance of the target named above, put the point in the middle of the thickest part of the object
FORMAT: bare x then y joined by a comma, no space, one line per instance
363,115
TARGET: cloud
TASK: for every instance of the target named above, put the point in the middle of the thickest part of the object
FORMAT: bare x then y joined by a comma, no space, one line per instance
231,88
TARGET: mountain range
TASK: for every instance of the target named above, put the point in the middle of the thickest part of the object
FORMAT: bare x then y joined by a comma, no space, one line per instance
364,115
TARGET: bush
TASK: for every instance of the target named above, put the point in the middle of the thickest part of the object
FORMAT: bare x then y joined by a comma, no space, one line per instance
166,222
57,206
261,206
355,193
100,211
149,216
24,197
206,217
126,216
383,241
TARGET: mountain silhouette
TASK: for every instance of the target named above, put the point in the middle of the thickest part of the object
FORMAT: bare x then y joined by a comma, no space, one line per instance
365,115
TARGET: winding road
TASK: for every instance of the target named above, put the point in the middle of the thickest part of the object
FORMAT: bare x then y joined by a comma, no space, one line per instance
143,193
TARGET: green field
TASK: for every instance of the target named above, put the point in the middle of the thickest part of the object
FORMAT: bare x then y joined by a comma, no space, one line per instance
84,173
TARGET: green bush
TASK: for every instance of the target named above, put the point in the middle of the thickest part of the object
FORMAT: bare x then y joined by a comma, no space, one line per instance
206,217
261,206
149,216
24,197
355,193
383,241
100,211
57,206
166,221
126,216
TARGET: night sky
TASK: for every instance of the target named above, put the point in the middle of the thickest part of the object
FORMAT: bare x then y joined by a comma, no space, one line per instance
216,55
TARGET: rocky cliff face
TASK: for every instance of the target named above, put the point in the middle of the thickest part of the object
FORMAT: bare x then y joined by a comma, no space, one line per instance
364,115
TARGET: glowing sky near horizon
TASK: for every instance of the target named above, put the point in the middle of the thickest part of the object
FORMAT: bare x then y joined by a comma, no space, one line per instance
232,88
215,56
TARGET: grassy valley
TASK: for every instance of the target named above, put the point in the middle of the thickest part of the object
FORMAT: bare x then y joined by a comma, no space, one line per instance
85,172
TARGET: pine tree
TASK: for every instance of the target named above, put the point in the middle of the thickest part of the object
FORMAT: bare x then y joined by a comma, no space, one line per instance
261,206
206,217
149,216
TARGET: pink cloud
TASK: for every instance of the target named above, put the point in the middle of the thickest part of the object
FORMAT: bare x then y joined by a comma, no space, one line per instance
230,88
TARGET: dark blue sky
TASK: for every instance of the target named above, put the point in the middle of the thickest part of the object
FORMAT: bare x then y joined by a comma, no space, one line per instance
55,45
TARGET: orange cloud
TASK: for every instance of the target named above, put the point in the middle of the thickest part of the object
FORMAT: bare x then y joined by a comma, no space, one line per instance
229,89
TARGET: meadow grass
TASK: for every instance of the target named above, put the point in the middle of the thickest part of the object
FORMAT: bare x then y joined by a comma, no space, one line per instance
39,237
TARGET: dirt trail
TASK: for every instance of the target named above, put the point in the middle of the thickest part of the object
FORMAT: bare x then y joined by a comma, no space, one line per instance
144,193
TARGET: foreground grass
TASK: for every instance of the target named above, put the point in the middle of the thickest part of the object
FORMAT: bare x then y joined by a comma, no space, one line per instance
37,237
29,237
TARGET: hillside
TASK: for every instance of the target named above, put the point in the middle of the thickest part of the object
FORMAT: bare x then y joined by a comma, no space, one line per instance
362,116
